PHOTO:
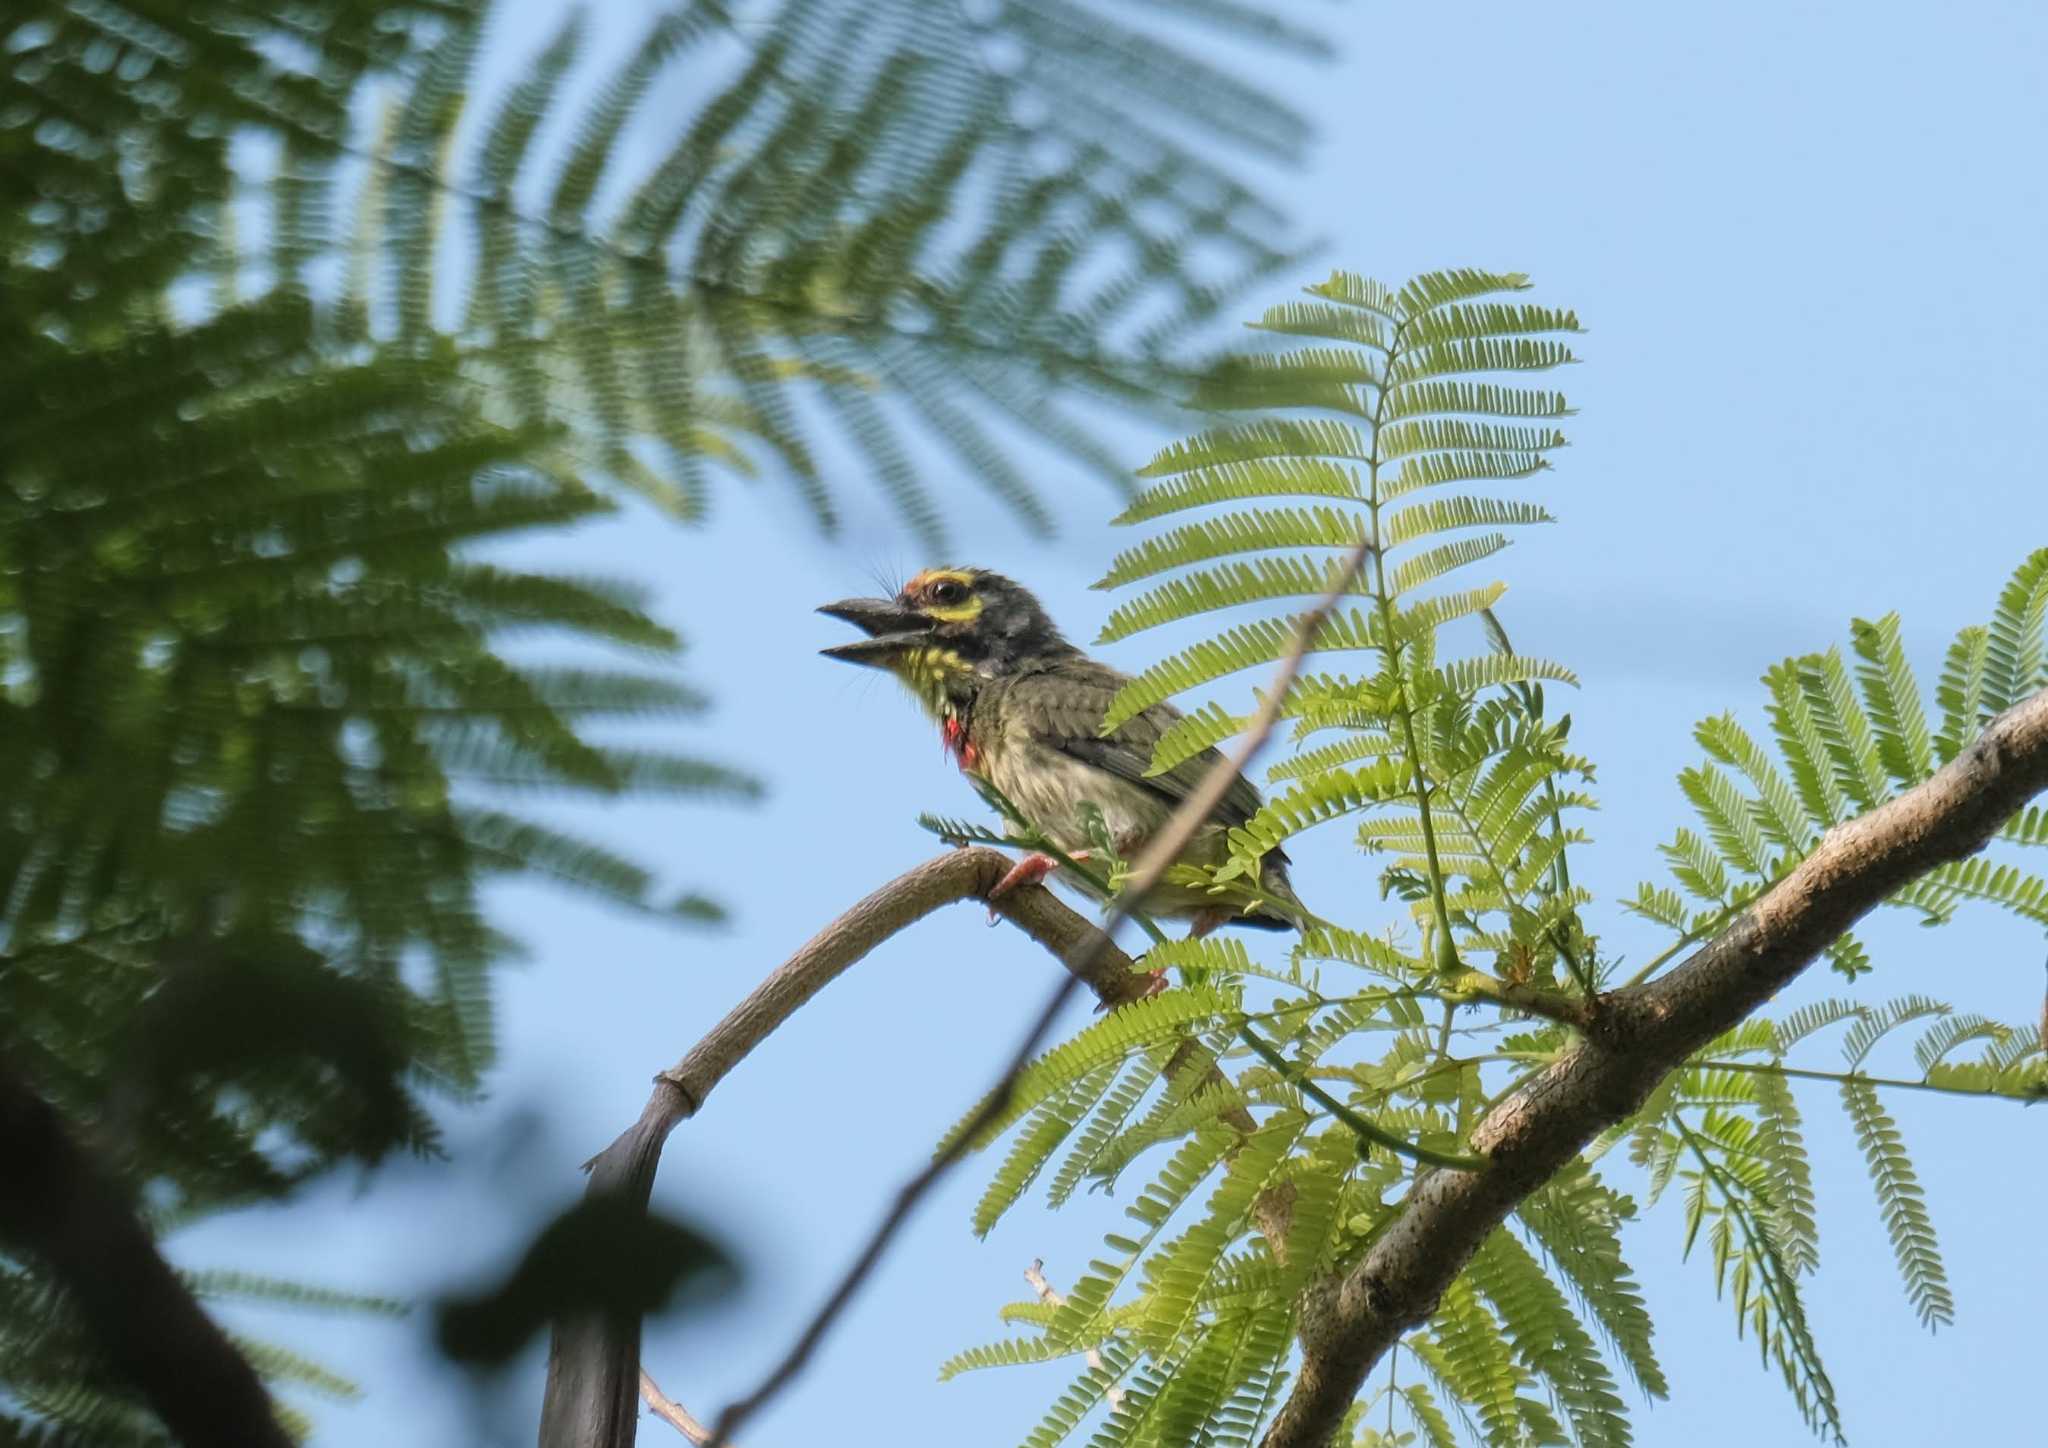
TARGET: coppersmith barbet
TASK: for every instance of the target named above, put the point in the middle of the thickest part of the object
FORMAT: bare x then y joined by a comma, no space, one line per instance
1019,706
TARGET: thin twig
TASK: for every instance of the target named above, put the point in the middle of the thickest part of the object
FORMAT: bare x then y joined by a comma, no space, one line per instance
1536,1000
1364,1130
1890,1083
671,1412
1161,852
1052,1297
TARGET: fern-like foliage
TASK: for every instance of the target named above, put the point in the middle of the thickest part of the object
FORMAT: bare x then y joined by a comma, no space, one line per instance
861,232
268,746
1397,402
1462,786
1284,1106
1843,739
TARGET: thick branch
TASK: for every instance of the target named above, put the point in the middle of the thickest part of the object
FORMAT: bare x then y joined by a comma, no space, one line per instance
58,1209
1638,1036
594,1362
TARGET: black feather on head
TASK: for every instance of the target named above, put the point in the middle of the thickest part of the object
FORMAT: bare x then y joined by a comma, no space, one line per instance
985,616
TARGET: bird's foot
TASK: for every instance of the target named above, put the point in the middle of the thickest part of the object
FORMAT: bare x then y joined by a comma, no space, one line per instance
1031,870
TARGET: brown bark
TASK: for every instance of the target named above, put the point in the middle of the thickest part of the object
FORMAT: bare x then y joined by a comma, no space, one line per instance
1635,1038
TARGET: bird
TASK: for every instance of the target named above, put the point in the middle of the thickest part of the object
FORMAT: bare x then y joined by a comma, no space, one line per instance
1020,708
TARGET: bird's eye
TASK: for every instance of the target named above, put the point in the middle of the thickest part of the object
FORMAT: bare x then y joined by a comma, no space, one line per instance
949,591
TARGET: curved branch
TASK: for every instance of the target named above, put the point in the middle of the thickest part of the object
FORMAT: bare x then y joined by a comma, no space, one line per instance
1637,1036
594,1361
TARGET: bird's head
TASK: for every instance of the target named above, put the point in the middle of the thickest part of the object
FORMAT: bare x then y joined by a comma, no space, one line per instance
946,620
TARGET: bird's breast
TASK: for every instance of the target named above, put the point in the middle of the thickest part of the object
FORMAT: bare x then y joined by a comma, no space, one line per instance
961,743
1050,787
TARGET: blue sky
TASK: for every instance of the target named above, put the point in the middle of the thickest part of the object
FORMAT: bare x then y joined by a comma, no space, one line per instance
1805,241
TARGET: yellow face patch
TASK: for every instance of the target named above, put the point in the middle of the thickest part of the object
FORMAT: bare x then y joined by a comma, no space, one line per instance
925,672
923,593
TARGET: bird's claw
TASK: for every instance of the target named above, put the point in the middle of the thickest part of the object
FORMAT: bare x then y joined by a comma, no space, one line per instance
1031,870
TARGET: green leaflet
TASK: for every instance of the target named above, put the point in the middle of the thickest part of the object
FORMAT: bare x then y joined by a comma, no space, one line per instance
1239,480
1441,515
2015,653
1239,532
1049,1125
1893,695
1280,437
1244,647
1125,1030
1328,796
1200,729
1576,1220
1466,1351
1180,1273
1901,1204
1545,1334
1208,589
1111,1115
1789,1203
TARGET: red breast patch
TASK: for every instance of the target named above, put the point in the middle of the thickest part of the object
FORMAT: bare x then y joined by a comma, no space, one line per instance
954,735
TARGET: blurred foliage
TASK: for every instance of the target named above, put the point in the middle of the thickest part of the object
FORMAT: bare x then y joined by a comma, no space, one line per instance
921,218
305,313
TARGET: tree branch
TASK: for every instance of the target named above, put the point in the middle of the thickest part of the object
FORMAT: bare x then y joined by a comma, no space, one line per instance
1637,1036
59,1209
594,1360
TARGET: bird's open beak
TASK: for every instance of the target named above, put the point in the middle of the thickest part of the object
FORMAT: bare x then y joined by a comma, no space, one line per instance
890,629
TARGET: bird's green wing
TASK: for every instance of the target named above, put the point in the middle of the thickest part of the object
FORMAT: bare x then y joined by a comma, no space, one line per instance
1063,708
